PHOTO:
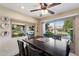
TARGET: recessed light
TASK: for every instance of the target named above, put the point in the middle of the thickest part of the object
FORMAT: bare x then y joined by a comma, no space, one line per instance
22,7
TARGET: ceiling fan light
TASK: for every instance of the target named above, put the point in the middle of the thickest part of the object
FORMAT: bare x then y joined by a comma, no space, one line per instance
22,7
44,12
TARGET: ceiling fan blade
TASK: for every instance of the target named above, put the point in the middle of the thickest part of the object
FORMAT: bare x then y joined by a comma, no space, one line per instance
45,4
53,4
51,12
34,10
41,4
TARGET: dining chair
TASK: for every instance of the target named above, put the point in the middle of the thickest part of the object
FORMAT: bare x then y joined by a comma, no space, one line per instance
21,48
67,48
32,51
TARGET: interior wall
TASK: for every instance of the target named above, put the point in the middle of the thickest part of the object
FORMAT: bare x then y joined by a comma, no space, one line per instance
18,17
57,16
66,14
61,15
38,28
15,15
8,46
76,31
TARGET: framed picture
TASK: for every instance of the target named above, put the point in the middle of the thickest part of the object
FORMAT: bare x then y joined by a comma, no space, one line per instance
4,33
4,18
4,25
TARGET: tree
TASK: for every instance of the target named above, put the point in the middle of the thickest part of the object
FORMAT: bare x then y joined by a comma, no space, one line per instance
46,26
68,24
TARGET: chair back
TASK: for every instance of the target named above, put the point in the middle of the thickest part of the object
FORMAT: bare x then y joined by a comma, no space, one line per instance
67,49
21,48
31,51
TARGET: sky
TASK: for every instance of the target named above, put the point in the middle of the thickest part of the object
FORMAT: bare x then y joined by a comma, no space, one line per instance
57,23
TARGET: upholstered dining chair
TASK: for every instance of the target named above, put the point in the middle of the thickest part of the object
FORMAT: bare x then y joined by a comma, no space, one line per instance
68,48
21,48
32,51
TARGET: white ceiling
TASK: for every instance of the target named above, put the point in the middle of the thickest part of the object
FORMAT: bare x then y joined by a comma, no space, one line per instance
30,6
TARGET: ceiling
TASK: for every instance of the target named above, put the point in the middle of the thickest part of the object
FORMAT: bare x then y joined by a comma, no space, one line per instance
30,6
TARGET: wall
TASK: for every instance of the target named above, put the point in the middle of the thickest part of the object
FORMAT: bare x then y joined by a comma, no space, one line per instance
76,30
15,15
61,15
38,28
8,46
66,14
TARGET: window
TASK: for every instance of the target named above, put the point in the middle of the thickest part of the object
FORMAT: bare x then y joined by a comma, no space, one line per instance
18,30
30,30
22,30
63,27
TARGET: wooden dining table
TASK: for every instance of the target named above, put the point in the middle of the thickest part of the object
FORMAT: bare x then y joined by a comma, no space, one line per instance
52,47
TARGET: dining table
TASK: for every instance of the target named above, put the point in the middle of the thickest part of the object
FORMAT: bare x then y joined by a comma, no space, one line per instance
51,46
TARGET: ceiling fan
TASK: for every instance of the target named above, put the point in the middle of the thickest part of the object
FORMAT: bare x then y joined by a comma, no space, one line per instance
44,7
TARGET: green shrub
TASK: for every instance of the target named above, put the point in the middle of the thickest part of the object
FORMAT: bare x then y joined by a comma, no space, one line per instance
48,34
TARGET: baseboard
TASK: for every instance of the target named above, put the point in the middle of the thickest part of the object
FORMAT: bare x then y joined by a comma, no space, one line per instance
17,54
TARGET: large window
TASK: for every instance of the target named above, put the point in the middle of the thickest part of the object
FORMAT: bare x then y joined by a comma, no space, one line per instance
63,27
22,30
18,30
